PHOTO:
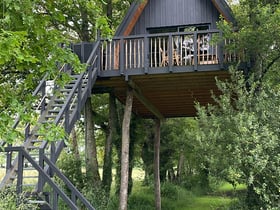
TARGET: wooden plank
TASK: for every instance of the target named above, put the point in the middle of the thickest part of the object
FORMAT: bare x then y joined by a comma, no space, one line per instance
138,93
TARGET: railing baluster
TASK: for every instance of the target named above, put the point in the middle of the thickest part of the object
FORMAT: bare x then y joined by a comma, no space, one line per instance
55,200
43,105
146,54
221,53
27,131
66,119
196,54
20,172
122,56
9,159
170,52
52,157
41,164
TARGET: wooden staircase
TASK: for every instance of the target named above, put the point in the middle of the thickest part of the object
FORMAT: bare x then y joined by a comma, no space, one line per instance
61,108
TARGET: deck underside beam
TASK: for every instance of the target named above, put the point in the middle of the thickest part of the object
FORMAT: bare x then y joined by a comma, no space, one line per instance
138,94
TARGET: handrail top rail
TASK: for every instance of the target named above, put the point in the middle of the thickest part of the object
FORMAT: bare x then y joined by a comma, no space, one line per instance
162,34
91,60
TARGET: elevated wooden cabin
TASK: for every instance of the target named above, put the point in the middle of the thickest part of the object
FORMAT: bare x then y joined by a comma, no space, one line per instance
166,51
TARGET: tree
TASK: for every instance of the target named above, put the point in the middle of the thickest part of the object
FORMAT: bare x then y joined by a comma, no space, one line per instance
30,47
256,34
125,151
241,135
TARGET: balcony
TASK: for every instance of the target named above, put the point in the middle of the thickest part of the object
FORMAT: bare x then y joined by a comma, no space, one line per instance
170,72
164,53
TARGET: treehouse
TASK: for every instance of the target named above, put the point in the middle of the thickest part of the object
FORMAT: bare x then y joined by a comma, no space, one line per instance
167,53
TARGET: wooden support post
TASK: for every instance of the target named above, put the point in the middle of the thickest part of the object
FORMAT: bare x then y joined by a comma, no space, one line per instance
156,165
125,150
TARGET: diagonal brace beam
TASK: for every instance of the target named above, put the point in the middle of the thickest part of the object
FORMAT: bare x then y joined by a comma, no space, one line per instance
138,94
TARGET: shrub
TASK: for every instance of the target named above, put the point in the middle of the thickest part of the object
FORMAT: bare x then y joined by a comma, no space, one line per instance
97,197
11,201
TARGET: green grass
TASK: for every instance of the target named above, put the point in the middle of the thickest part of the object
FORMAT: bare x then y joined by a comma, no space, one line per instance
178,198
175,197
228,187
207,203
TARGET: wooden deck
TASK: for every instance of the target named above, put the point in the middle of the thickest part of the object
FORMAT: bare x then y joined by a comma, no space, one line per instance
169,73
172,94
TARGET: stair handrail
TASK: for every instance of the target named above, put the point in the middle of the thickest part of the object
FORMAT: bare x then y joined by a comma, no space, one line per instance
90,62
40,87
23,153
92,74
67,182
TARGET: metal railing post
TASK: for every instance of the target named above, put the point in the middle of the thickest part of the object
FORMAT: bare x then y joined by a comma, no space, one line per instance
43,104
195,56
170,53
66,118
9,159
146,54
20,172
221,46
121,56
52,158
41,164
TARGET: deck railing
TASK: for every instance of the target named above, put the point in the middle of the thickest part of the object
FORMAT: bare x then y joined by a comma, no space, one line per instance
162,50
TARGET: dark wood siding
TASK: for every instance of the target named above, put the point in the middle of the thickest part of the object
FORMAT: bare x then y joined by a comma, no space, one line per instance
166,13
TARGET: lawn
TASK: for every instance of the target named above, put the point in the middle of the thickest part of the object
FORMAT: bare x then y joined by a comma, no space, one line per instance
175,197
207,203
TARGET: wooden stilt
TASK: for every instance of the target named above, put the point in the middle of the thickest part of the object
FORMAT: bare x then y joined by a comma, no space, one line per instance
125,150
156,165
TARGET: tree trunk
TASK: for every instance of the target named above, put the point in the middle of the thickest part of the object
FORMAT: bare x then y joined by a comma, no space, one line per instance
109,11
156,165
107,167
125,151
75,147
180,166
92,172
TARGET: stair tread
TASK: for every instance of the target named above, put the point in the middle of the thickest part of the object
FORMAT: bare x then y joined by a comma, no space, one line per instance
30,177
50,116
54,111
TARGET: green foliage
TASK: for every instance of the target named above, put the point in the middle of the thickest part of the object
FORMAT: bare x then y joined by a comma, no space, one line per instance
30,47
174,192
97,197
240,138
70,166
9,199
52,132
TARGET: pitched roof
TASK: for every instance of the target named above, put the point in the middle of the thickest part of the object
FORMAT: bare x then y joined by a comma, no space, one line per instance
131,18
137,8
224,9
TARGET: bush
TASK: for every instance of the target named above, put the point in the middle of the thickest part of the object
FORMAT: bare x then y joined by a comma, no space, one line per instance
9,200
97,197
71,168
141,202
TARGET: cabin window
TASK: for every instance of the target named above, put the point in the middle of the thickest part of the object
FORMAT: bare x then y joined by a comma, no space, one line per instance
188,28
